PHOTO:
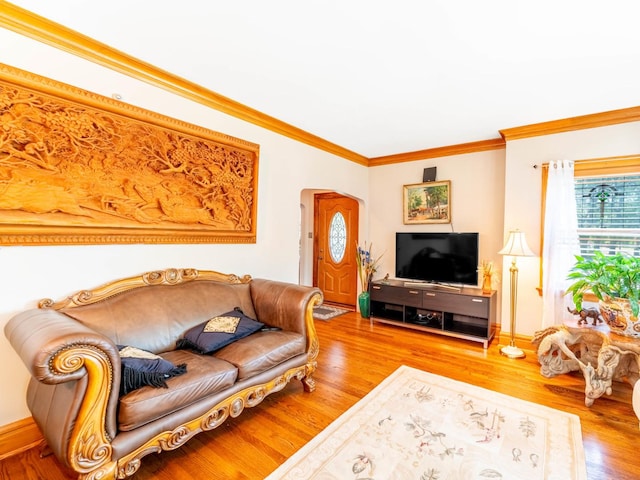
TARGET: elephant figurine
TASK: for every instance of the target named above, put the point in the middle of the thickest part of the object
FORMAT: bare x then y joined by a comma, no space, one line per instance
586,314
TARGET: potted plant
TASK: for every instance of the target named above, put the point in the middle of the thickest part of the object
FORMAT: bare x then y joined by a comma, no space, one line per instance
615,281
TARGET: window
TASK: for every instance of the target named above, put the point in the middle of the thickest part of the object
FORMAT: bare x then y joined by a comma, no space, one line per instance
337,237
608,205
608,209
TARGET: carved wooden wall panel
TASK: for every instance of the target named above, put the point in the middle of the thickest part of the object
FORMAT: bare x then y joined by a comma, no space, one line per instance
77,167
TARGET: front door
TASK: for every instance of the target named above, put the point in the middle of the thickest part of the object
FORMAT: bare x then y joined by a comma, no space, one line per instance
334,249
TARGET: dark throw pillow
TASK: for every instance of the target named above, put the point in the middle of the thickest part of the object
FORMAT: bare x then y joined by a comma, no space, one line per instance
141,368
219,331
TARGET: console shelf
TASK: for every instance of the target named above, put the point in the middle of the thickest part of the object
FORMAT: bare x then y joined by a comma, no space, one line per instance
463,313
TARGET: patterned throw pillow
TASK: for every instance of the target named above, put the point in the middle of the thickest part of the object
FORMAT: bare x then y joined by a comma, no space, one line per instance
142,368
219,331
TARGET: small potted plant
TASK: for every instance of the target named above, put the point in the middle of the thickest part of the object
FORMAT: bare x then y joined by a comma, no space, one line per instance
615,281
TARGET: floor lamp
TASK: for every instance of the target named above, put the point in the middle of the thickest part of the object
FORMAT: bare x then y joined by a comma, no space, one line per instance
516,246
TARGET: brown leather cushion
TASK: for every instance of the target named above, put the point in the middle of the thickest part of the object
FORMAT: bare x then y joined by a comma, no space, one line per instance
261,351
205,375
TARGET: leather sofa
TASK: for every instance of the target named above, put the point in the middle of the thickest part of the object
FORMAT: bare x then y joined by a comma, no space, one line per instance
72,350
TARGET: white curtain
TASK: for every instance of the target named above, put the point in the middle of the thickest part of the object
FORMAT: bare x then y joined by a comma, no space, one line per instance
560,242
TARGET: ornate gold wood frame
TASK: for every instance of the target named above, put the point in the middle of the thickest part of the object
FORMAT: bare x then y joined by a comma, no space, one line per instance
80,168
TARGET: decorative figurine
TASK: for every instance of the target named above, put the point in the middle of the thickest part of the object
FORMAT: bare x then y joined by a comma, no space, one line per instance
586,314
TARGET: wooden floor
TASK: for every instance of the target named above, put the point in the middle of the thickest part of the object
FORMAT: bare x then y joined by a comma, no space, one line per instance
355,356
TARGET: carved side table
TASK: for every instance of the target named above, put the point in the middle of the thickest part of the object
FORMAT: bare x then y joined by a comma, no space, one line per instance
602,357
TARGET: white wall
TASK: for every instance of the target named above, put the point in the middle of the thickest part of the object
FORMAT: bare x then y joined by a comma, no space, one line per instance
477,199
286,168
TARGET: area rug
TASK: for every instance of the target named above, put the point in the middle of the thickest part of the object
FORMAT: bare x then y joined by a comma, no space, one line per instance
420,426
325,312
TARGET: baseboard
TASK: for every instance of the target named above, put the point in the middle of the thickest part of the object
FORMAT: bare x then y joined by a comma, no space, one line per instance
522,341
18,436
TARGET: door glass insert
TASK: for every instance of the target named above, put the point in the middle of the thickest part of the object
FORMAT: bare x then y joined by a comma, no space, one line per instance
337,237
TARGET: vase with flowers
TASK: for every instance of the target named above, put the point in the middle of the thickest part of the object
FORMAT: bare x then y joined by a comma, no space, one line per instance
367,266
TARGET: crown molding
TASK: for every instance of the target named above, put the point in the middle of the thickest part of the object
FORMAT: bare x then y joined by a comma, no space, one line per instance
43,30
594,120
459,149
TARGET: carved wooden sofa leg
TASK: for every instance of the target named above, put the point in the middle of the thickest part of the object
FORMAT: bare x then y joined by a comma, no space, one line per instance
44,449
309,384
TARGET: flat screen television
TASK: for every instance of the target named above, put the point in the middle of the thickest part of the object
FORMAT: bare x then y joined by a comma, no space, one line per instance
447,258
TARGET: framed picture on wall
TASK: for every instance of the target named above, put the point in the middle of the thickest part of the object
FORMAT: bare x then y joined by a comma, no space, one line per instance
426,203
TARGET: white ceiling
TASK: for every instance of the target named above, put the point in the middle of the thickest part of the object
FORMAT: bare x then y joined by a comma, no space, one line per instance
384,77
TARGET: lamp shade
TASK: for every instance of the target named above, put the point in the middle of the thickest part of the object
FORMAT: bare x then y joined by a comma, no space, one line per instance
516,245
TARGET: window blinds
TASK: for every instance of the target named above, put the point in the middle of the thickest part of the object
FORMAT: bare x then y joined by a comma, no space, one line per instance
608,209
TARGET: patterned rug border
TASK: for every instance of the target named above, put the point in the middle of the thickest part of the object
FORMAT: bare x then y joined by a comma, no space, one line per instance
326,312
310,461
